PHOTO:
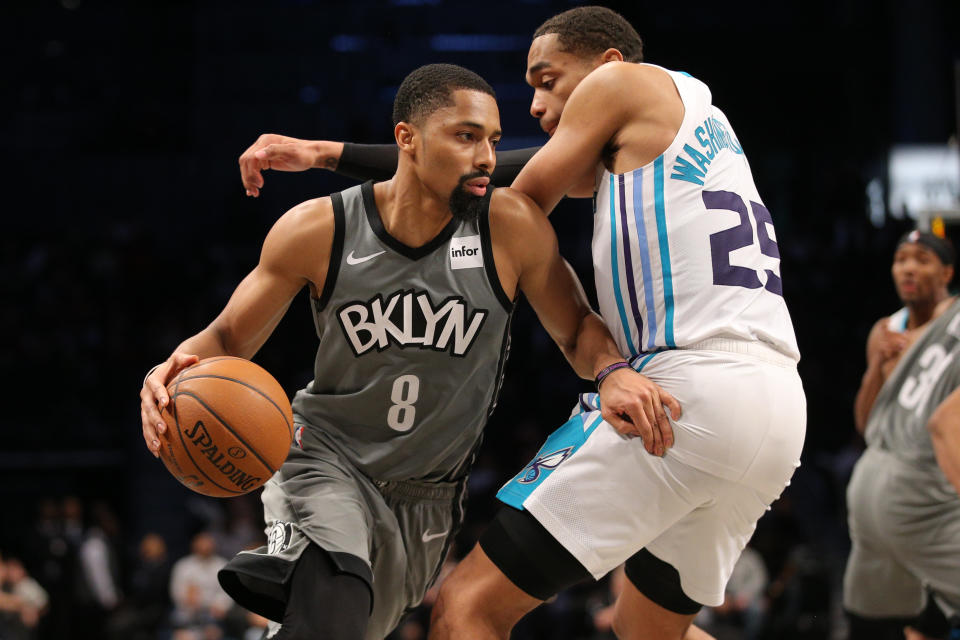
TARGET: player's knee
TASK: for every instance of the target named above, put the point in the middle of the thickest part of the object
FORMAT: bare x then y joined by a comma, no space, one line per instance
463,609
456,601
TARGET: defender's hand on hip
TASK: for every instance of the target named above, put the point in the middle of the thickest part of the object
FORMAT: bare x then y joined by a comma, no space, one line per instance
634,405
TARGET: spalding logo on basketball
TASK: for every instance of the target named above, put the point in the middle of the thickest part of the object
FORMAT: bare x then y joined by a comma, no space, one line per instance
229,427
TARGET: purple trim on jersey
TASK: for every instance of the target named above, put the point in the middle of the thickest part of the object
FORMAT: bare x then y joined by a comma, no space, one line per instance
644,261
615,269
627,262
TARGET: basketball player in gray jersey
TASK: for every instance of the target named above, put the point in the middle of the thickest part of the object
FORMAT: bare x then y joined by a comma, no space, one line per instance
412,282
922,269
904,511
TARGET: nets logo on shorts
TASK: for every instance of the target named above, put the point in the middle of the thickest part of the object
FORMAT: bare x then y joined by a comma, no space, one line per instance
279,538
531,473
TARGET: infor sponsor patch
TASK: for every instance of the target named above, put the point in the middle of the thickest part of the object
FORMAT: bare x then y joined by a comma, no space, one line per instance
465,253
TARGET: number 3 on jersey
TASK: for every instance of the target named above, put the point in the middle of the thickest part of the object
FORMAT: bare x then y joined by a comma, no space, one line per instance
406,390
723,243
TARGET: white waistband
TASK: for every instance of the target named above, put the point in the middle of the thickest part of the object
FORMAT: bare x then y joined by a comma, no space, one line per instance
753,348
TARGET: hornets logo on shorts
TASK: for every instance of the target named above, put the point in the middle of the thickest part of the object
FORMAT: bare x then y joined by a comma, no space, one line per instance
548,460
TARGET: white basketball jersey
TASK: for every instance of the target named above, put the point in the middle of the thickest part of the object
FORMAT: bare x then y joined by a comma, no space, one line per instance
683,248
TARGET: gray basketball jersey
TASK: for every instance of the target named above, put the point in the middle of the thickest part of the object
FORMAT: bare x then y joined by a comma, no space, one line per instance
924,377
412,345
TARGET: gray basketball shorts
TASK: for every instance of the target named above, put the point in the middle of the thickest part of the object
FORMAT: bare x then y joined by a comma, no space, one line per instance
905,534
394,535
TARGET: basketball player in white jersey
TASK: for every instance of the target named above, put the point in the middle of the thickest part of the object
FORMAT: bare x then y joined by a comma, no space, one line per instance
688,281
687,272
922,269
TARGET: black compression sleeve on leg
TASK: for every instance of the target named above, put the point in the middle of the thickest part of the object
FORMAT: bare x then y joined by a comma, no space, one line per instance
862,628
368,161
379,162
932,622
323,599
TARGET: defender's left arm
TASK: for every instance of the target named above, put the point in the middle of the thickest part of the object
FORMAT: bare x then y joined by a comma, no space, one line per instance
596,110
944,427
630,402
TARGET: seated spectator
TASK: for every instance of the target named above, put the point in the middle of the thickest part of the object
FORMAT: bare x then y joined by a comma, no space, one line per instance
199,604
22,601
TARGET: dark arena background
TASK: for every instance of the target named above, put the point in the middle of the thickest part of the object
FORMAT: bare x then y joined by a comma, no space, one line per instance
126,229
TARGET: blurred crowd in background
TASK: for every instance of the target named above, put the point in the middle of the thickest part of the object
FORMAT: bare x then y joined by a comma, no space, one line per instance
80,574
127,229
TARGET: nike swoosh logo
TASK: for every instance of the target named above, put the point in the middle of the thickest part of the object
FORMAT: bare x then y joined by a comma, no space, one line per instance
351,260
427,536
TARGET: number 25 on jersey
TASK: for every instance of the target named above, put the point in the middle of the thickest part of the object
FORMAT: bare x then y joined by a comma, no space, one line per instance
723,243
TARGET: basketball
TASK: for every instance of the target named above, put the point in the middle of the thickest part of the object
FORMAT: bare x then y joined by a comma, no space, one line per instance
229,427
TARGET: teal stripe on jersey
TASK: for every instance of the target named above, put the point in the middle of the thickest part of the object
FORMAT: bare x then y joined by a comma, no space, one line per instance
664,250
614,264
561,444
646,360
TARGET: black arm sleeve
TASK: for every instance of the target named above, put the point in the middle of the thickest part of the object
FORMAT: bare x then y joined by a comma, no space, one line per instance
509,164
368,161
379,162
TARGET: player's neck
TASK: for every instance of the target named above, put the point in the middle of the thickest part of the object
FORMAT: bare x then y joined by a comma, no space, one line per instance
410,212
920,313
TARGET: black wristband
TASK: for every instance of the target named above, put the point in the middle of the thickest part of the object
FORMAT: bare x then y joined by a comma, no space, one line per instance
610,369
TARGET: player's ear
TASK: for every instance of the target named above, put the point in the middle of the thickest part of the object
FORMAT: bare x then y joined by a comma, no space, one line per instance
611,55
947,274
405,135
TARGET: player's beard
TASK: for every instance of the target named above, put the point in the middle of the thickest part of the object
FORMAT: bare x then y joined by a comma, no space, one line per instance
464,205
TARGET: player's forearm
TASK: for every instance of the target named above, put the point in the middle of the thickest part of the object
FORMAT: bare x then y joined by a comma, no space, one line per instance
592,349
208,343
379,162
866,396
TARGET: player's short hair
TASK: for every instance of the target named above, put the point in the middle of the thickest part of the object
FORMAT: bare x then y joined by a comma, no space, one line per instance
589,31
431,87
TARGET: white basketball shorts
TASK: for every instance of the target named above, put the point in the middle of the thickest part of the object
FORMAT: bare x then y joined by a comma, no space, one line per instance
738,442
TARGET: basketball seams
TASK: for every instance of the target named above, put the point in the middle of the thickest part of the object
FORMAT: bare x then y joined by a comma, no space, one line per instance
210,360
245,384
228,428
186,450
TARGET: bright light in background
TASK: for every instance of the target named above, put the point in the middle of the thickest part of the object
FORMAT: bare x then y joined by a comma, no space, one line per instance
924,180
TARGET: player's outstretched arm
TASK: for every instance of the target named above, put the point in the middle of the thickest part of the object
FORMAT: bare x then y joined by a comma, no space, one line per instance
295,253
283,153
944,427
359,161
631,403
596,110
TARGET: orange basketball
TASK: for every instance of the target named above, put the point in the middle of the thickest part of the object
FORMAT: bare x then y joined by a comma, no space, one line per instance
229,427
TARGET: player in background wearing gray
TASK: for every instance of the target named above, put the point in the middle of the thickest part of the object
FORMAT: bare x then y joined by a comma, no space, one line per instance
903,508
412,282
921,276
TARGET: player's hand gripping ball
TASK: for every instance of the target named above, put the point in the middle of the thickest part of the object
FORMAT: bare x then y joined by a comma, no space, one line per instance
229,427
